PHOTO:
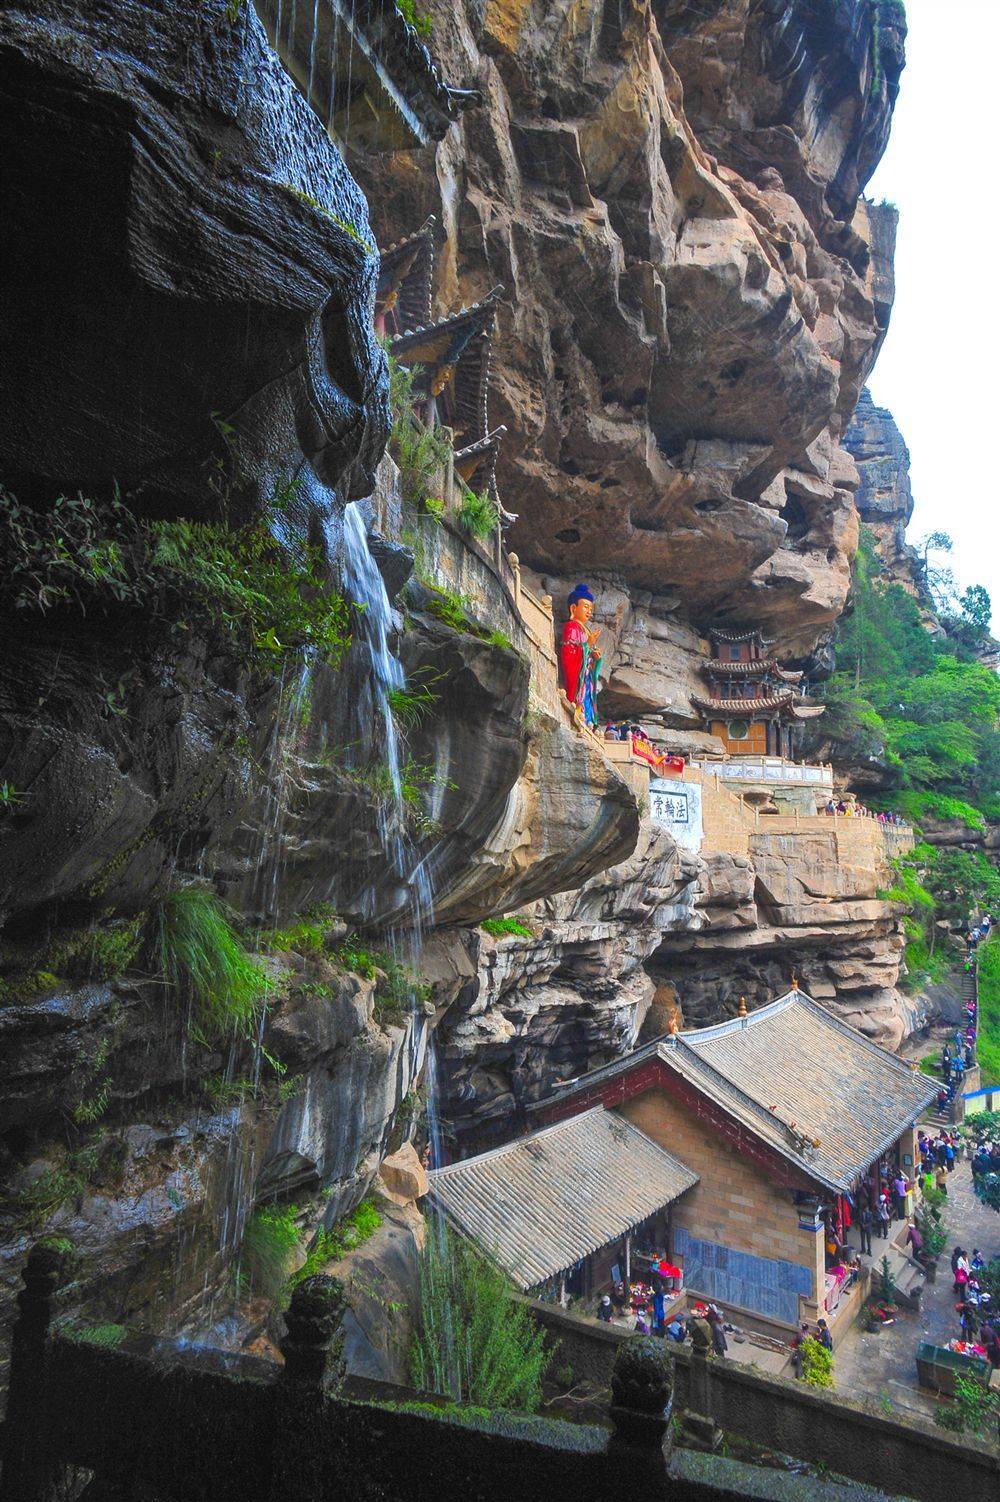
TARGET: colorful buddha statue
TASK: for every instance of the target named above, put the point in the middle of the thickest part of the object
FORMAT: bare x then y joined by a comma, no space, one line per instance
581,661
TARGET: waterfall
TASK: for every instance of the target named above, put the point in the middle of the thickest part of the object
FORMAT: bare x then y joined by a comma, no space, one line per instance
415,895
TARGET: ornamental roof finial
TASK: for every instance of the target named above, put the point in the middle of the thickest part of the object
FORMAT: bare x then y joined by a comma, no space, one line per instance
672,1023
743,1007
795,983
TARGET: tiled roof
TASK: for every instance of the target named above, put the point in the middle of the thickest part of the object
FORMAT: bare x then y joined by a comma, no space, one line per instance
793,1075
407,268
719,633
757,667
782,699
542,1203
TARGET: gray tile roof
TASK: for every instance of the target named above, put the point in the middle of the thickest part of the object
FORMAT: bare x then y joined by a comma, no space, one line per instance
816,1079
543,1202
794,1075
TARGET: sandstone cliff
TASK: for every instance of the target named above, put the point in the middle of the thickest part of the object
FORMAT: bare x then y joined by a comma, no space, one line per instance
693,290
884,498
694,293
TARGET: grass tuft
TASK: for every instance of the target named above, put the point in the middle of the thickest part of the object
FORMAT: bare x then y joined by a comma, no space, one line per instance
474,1343
500,927
199,953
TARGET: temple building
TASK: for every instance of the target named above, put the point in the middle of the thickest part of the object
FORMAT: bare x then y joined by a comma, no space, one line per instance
365,72
450,358
772,1126
405,277
753,704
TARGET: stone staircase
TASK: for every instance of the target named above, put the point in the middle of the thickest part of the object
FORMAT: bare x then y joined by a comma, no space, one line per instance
908,1274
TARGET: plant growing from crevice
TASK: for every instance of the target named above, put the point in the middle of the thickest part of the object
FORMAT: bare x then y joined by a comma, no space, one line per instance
398,991
344,225
411,705
108,1336
418,19
10,797
499,928
420,452
817,1363
270,1240
238,584
478,515
306,936
198,951
975,1409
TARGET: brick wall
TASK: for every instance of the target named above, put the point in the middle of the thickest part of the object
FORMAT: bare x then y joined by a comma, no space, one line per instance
733,1202
726,824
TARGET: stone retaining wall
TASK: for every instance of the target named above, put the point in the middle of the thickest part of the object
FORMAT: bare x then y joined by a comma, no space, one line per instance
903,1457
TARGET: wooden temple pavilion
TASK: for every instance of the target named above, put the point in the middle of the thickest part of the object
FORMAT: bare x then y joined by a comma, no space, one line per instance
753,704
405,282
450,357
364,71
772,1126
559,1208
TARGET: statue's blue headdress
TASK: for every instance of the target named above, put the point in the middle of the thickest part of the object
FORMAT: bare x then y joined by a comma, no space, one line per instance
581,592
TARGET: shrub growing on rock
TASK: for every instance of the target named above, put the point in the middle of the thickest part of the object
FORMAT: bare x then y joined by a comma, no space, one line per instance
474,1343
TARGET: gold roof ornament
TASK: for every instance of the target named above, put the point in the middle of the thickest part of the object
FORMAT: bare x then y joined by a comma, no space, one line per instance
743,1007
673,1027
795,983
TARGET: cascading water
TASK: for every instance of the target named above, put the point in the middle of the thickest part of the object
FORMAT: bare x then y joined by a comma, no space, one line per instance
414,898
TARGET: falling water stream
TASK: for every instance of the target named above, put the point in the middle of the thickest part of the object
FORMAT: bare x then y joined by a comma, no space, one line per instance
415,896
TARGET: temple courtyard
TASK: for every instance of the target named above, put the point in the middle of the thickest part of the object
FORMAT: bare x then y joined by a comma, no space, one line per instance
881,1367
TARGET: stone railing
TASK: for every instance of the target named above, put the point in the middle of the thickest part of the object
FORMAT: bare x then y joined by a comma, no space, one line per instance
730,825
770,769
911,1458
156,1418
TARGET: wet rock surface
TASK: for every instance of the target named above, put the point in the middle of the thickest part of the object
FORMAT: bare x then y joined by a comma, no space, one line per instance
694,294
161,167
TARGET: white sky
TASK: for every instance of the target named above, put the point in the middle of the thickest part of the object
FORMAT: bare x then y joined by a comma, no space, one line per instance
938,370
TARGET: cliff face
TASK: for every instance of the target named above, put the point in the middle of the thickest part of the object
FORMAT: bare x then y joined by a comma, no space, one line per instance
693,293
884,498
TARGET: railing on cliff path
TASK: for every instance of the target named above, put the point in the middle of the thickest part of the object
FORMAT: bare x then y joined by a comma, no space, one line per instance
492,579
151,1418
157,1418
730,825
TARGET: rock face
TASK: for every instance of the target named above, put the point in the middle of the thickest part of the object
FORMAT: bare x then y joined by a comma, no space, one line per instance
167,180
884,498
694,293
523,1013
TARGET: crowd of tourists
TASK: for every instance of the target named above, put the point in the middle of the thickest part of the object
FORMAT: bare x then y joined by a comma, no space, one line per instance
663,764
861,811
959,1052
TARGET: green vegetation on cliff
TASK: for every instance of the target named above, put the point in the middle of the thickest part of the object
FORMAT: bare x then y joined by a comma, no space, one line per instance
475,1343
926,709
236,584
922,705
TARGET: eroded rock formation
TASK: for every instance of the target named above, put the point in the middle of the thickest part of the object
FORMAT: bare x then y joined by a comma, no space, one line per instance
884,497
693,296
685,330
